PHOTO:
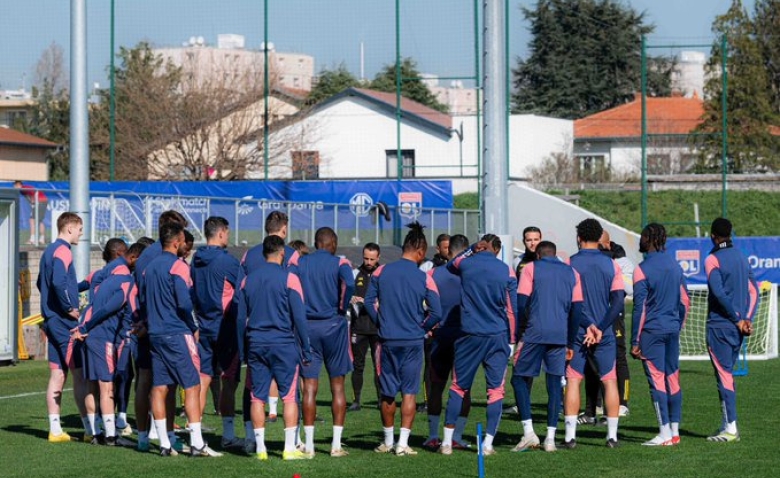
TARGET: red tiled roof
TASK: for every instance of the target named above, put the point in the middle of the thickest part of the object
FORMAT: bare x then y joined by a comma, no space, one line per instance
676,115
11,136
410,106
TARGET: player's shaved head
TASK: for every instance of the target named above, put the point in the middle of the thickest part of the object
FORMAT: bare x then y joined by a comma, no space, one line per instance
325,238
458,243
546,249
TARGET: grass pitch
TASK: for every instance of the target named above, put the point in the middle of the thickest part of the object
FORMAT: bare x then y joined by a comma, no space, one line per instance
24,451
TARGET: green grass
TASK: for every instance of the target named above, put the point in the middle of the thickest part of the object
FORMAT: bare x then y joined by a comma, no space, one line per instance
754,213
25,451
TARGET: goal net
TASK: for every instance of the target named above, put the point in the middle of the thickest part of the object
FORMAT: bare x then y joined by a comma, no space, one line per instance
761,345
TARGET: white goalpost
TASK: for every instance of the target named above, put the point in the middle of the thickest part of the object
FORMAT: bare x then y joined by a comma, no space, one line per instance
762,345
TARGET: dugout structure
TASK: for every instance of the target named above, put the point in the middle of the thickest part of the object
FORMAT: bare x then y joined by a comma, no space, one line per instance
762,345
9,268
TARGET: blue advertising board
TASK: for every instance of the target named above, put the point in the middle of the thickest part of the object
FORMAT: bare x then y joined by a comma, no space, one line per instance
763,255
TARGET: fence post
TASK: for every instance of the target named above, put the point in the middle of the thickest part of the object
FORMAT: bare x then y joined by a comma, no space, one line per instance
313,223
376,225
112,209
449,221
148,213
336,219
236,216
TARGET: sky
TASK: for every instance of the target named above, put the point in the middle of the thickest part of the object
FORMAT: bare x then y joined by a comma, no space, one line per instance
438,34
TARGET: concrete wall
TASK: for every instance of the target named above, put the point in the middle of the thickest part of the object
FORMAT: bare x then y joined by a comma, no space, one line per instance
557,219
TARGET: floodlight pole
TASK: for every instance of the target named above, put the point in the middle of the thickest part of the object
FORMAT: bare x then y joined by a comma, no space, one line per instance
79,132
494,212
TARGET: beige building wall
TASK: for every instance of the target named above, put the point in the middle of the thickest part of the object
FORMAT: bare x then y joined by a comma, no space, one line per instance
24,164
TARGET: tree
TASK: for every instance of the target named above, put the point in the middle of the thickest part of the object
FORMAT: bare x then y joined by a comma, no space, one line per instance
750,114
50,115
767,22
331,82
413,85
194,121
585,57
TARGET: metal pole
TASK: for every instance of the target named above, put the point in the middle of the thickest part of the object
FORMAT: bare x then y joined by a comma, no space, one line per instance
79,129
398,159
644,132
266,90
112,107
478,99
495,206
724,134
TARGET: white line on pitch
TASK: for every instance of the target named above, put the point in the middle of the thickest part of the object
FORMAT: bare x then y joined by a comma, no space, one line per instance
22,395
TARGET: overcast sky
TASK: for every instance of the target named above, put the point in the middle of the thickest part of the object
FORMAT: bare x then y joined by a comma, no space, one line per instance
439,34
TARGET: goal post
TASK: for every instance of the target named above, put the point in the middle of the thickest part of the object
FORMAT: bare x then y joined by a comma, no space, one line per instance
761,345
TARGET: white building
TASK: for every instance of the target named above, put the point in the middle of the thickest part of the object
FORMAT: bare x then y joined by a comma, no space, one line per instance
354,135
688,74
610,141
230,64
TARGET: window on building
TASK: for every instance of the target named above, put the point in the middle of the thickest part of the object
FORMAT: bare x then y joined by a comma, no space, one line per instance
407,165
305,165
659,164
593,169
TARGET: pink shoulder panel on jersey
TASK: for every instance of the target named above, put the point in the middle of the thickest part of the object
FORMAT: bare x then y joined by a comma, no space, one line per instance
378,271
710,264
617,280
639,274
526,286
181,269
343,261
294,283
293,261
64,254
122,270
576,293
430,284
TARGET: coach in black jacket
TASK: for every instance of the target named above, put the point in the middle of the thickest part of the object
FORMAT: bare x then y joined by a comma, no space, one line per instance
364,332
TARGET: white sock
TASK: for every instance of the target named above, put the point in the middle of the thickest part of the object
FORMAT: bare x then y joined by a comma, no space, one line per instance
162,434
228,428
550,434
460,425
675,429
143,436
153,430
108,421
487,443
403,438
448,432
665,432
250,431
731,427
336,443
389,432
433,426
273,405
259,439
121,420
528,427
196,436
308,432
290,437
55,427
92,430
612,424
571,427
